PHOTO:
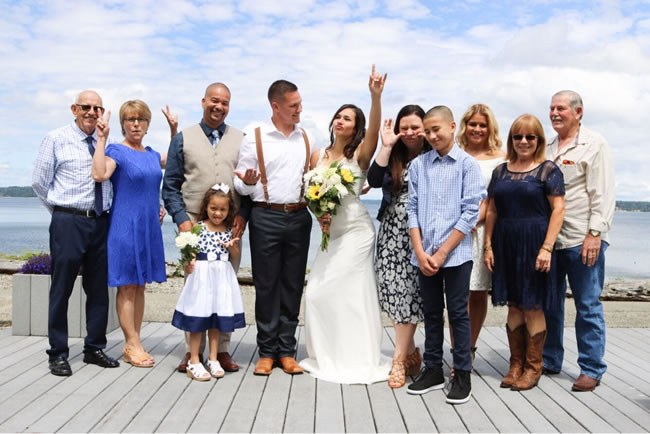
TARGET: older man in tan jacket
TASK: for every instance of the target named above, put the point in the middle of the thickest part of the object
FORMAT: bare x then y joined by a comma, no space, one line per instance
586,163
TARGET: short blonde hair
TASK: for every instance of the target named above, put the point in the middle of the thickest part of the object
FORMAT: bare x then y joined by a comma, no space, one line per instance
530,123
137,107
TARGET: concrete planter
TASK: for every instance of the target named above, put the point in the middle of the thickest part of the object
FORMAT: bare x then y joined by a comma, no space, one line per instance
29,311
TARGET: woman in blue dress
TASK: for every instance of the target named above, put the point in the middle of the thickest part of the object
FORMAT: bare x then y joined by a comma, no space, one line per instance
135,246
524,217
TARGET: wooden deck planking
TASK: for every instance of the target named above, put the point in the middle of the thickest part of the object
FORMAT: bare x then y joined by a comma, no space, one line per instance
618,366
591,400
623,337
572,410
149,380
130,399
301,407
415,414
219,401
384,405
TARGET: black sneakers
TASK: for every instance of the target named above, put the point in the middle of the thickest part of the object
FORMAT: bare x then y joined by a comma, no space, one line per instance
461,388
429,378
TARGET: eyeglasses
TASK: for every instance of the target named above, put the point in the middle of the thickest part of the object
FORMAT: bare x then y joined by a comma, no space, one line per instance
529,137
87,107
134,120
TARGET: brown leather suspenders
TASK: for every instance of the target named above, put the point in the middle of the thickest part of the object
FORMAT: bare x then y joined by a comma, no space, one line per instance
260,162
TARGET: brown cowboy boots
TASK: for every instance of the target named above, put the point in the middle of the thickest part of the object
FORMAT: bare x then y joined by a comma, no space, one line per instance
517,343
533,366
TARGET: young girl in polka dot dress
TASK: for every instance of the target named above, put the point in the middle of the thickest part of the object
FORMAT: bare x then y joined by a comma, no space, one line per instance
211,298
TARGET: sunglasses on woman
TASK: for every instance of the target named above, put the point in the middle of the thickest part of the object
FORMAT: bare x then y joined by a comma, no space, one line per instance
529,137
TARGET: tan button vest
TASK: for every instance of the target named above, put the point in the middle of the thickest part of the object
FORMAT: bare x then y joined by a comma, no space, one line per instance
205,166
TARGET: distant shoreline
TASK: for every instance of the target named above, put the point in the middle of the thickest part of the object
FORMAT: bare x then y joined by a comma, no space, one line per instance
27,192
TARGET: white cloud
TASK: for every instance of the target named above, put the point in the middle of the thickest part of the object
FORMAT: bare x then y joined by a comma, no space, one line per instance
510,55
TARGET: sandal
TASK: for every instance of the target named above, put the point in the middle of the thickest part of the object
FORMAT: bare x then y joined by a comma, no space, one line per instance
215,369
413,363
197,372
142,360
150,357
397,377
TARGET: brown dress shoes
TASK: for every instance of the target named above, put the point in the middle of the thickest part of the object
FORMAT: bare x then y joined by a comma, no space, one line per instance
290,366
264,366
585,383
227,363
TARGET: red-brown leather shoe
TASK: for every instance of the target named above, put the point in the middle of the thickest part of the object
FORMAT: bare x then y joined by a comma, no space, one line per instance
227,362
264,366
584,383
290,366
182,366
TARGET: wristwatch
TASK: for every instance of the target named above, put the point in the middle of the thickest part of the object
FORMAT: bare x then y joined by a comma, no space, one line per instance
594,232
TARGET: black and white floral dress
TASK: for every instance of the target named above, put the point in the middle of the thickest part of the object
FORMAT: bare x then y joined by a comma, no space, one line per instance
397,278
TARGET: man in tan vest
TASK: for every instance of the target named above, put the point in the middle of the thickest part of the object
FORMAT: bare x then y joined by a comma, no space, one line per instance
199,157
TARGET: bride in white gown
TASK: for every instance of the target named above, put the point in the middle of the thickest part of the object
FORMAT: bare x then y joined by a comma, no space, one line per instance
342,317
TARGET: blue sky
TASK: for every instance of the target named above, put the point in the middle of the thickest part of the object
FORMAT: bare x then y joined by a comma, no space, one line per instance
510,55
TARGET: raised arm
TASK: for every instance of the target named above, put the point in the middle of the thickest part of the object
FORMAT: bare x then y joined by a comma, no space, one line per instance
172,120
103,166
369,145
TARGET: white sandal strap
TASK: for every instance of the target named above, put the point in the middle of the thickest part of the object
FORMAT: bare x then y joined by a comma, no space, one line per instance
198,370
215,368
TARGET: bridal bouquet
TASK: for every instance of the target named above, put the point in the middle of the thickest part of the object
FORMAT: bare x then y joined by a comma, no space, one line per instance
188,242
326,186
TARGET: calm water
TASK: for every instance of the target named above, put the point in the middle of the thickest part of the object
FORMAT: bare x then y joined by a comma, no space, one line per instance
24,228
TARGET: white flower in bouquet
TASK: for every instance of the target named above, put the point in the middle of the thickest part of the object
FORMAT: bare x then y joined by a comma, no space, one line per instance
185,239
188,243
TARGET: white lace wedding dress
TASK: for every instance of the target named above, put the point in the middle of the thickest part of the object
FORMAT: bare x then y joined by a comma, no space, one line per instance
342,317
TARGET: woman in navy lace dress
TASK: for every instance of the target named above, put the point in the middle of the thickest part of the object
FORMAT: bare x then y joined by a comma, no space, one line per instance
524,217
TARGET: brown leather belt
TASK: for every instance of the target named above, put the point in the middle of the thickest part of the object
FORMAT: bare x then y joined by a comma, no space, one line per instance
284,207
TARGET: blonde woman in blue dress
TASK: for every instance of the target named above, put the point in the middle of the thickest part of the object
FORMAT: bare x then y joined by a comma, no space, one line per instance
342,317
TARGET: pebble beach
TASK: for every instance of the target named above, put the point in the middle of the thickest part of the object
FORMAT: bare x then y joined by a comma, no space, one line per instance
625,300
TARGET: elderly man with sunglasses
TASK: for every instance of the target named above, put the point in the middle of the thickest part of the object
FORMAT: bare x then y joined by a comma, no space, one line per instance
79,207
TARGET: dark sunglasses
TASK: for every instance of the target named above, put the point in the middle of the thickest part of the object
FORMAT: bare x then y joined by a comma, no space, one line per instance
529,137
86,108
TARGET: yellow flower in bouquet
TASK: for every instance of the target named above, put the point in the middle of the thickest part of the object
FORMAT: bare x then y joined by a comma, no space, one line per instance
346,175
314,192
326,186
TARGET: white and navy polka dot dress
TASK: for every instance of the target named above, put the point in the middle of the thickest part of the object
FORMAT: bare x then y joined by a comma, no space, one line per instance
211,298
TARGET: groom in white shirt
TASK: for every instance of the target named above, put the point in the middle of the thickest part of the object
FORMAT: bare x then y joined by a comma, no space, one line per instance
270,170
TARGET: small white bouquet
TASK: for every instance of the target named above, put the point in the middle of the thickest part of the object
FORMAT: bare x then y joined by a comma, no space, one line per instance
188,242
326,186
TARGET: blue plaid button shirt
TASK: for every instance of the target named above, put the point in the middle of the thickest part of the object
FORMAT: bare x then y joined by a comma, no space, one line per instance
444,194
63,171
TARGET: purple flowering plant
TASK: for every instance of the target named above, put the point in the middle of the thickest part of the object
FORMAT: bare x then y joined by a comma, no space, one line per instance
37,264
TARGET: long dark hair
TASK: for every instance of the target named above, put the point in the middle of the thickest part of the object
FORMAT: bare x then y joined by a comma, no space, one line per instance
399,155
232,209
359,130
